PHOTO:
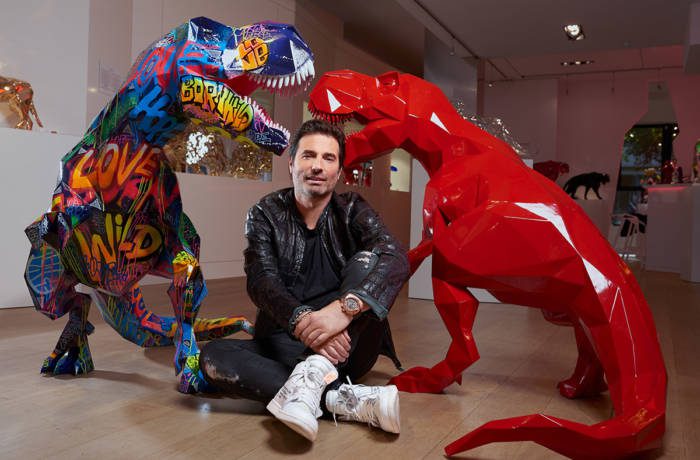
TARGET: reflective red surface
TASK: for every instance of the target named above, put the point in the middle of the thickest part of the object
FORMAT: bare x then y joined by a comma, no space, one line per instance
491,222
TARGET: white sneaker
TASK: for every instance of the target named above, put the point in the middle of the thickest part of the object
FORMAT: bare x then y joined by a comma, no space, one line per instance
298,403
377,406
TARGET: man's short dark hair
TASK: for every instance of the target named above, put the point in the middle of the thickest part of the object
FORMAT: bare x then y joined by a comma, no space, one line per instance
319,127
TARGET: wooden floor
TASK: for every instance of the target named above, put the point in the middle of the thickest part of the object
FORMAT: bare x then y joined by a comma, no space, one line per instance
129,407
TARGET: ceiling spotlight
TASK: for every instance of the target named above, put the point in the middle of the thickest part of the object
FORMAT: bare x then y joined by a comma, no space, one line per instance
577,62
574,32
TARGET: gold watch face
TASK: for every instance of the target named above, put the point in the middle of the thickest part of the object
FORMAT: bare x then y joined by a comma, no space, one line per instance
351,305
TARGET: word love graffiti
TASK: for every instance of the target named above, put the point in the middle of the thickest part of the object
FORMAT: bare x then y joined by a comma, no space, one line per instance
115,171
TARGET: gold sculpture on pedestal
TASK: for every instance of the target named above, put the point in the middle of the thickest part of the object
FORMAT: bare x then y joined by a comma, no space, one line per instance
200,150
19,96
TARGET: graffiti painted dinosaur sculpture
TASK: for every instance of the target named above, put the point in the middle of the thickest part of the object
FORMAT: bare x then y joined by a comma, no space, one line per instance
19,95
116,213
490,222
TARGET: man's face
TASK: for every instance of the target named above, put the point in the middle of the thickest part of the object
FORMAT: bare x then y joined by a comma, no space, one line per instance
315,168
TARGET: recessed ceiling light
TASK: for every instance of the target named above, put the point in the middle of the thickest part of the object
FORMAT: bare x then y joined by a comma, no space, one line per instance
574,32
577,62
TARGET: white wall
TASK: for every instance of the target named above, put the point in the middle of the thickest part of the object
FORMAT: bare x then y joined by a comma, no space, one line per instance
109,52
26,189
45,43
529,111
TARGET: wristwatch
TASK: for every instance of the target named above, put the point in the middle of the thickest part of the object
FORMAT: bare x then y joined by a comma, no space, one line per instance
351,304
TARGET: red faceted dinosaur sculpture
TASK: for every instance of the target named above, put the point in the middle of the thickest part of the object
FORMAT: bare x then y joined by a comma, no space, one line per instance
490,222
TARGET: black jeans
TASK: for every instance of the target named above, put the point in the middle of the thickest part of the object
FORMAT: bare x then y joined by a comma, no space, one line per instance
256,369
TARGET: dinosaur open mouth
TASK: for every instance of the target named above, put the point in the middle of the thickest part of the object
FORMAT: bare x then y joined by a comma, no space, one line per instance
329,117
265,117
287,85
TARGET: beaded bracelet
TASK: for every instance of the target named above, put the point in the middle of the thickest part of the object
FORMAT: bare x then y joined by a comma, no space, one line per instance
297,317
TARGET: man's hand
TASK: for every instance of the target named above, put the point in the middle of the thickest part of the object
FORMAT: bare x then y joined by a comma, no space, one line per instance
317,327
336,349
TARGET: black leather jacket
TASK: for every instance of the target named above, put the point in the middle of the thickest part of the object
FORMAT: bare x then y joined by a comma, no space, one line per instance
275,232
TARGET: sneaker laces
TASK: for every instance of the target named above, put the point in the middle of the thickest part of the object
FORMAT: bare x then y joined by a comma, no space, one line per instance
348,398
312,379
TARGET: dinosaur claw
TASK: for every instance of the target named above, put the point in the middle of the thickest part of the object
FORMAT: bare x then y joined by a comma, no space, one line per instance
76,361
192,380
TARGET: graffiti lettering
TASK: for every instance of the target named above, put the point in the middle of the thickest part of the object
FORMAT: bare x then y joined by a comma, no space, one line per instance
80,178
253,53
114,167
216,98
254,31
150,118
125,241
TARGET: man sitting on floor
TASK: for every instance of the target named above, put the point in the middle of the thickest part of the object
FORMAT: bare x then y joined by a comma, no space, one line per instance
323,271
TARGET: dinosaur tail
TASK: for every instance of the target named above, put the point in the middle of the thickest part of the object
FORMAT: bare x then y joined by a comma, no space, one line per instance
129,316
618,437
163,334
208,329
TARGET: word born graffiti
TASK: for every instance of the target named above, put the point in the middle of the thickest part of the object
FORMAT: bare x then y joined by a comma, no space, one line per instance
216,99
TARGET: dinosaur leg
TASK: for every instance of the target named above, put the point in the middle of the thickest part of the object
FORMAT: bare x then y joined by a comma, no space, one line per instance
129,316
32,110
186,293
52,287
457,308
588,377
72,353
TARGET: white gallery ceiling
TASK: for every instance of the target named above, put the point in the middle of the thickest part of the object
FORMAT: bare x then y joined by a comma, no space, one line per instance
522,38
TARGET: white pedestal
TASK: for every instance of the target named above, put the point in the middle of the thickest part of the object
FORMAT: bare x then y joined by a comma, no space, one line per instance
598,211
673,230
690,234
31,161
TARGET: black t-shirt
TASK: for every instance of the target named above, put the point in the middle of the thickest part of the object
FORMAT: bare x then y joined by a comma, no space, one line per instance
317,283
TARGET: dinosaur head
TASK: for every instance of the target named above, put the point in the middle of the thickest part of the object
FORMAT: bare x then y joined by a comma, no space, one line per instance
271,55
376,102
228,64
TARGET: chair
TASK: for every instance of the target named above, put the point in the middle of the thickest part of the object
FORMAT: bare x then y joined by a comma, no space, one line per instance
629,240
